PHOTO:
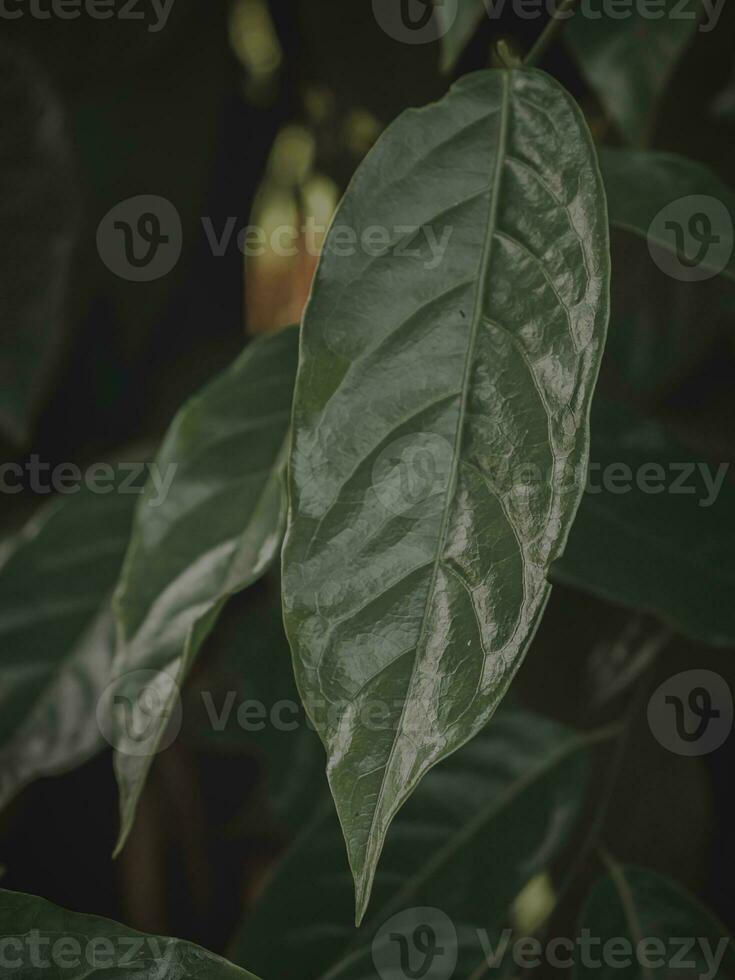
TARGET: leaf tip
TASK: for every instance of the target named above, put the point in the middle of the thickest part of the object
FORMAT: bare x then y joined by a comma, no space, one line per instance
363,889
126,824
361,904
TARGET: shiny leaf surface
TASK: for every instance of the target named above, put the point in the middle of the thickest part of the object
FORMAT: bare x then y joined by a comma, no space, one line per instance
662,518
628,60
640,185
215,530
57,634
477,829
41,940
416,554
668,933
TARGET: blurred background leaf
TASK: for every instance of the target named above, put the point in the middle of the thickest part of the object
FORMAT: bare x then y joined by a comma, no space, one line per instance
57,634
39,220
634,904
657,540
480,825
629,60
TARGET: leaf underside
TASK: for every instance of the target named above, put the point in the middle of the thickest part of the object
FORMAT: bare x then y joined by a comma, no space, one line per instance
415,560
216,530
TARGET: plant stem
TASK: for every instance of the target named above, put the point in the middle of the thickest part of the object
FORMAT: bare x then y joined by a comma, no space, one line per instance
563,13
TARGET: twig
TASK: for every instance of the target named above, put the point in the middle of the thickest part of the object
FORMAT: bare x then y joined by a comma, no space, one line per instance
563,12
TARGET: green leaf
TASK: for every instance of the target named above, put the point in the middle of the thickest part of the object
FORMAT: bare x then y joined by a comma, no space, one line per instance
665,533
457,31
633,905
57,634
629,60
423,595
216,530
660,328
479,827
37,217
640,184
41,940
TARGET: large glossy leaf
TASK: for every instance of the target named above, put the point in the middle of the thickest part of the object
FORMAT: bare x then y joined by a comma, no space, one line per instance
214,532
415,560
37,216
641,184
477,829
655,533
57,634
667,932
629,60
42,940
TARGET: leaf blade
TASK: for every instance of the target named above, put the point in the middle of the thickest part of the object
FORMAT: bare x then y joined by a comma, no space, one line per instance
226,450
351,556
130,953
